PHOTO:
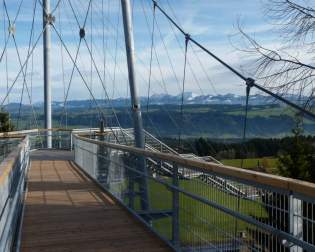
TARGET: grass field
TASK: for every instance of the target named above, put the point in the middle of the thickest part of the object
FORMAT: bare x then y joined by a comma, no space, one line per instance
269,164
198,221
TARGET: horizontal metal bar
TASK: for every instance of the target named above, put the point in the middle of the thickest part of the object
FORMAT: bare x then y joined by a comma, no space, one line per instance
238,215
290,185
155,214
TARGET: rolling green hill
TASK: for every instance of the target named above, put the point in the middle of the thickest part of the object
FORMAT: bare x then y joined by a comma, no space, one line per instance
212,121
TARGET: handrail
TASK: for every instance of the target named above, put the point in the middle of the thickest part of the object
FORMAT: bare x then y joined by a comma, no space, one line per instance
278,182
25,132
12,178
7,164
161,143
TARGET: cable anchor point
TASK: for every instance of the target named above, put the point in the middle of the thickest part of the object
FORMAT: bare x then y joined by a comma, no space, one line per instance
50,19
187,37
249,84
82,33
12,29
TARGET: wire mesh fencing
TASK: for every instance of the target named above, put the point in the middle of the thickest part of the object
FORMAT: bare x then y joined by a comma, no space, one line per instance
187,207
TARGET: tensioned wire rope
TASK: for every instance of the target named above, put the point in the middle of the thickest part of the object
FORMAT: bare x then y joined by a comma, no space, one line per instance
184,77
6,53
182,48
164,86
174,122
168,54
245,123
91,64
193,73
162,74
25,85
75,60
22,67
115,57
244,150
20,61
150,74
140,74
101,113
77,56
63,73
11,25
101,81
248,81
183,89
108,99
194,51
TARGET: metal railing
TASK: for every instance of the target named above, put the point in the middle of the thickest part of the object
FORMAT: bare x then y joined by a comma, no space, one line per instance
6,146
164,168
13,170
192,215
61,138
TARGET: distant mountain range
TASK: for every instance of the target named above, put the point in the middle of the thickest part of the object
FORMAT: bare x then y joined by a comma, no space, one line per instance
158,99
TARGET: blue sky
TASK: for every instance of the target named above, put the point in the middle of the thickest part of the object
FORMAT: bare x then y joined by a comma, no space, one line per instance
213,23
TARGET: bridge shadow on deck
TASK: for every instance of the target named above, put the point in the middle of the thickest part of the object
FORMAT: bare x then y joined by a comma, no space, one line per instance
66,211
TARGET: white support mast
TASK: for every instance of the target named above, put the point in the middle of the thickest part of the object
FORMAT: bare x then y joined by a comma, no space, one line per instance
135,103
47,20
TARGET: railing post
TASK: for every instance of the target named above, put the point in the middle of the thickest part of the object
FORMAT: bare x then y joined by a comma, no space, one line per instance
71,140
295,221
59,139
175,219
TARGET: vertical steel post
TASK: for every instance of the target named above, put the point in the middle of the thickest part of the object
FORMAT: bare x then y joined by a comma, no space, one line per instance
296,221
175,219
47,19
135,103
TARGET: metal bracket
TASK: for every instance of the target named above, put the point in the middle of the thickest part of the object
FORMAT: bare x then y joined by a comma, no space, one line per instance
82,33
250,82
49,19
12,29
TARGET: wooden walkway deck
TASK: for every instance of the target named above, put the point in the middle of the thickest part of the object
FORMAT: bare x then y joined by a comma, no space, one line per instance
66,211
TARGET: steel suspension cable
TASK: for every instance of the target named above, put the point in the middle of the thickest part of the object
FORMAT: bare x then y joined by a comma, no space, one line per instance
6,53
106,68
115,57
170,61
82,33
151,59
150,71
101,113
22,67
183,91
63,72
91,64
162,75
103,85
26,67
11,25
103,117
248,88
191,69
103,41
233,70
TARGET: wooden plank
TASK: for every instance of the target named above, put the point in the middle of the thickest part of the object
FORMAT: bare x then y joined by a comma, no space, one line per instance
66,211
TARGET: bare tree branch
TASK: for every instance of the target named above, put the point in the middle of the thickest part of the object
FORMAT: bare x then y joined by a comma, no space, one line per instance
277,68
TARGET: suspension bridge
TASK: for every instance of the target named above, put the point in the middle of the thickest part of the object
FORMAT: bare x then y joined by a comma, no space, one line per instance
118,189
